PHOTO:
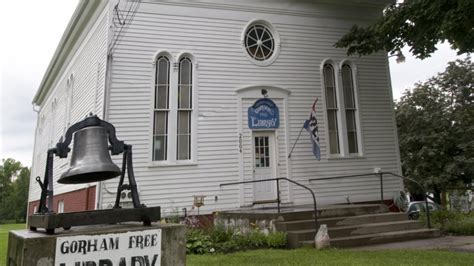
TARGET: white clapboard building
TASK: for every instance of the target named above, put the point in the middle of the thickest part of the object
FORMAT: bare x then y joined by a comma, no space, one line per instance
177,78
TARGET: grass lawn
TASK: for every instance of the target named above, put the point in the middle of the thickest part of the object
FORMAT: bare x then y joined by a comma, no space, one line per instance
305,256
308,256
4,229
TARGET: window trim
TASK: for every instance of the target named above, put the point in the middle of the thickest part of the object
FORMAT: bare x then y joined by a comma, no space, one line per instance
341,115
166,110
69,102
276,40
339,110
189,109
173,110
357,107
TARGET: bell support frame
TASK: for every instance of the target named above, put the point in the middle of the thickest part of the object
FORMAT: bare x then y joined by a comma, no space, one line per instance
45,216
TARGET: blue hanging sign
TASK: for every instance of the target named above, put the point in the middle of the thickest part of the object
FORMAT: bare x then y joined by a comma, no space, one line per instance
263,114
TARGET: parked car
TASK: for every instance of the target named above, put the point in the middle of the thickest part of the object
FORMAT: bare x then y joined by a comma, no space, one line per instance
415,207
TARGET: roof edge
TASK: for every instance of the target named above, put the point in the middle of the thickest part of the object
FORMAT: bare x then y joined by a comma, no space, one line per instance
78,22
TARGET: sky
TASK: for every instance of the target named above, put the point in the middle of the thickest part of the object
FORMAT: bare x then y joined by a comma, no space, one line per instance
28,46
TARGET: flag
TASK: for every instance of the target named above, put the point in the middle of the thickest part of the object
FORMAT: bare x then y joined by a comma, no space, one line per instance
311,125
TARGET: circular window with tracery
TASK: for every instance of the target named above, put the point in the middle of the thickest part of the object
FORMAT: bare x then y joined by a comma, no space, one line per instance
260,42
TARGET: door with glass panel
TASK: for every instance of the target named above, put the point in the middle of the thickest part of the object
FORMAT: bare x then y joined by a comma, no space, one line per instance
264,165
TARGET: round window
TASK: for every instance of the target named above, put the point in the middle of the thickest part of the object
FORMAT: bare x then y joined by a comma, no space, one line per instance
260,42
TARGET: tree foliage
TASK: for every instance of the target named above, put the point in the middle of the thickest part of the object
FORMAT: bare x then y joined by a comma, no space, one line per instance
419,24
436,128
14,181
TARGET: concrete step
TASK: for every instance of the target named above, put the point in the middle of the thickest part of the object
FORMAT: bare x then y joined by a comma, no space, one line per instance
374,228
379,238
301,212
336,211
341,221
296,236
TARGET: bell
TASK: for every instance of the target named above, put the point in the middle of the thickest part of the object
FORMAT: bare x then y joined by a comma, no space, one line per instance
90,161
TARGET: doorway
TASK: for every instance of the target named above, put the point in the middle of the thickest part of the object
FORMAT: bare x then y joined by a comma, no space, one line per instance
264,165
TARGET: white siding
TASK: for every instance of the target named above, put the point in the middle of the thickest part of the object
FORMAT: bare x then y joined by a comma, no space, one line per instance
87,67
213,37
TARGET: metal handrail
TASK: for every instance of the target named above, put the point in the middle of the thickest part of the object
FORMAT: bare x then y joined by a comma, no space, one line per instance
278,193
381,187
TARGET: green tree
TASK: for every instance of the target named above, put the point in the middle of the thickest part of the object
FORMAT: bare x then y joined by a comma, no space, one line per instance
419,24
14,181
436,129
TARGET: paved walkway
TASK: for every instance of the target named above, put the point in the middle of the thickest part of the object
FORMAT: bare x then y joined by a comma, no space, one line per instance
452,243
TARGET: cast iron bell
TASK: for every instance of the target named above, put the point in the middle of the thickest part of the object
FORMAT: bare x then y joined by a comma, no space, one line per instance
90,161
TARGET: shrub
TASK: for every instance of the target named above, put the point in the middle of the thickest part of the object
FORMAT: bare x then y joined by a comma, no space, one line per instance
452,222
198,242
220,240
220,235
440,218
276,240
463,226
256,239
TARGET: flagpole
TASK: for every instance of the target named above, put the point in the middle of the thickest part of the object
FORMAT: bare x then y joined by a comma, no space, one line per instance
292,148
289,155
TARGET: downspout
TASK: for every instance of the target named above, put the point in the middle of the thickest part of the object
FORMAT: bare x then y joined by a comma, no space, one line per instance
32,160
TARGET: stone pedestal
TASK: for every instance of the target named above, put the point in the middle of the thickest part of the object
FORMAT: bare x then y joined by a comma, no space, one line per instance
105,245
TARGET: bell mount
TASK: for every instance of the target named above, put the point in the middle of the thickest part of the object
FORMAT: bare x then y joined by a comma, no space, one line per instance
46,218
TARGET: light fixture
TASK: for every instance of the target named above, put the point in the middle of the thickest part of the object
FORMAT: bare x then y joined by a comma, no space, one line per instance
198,201
400,57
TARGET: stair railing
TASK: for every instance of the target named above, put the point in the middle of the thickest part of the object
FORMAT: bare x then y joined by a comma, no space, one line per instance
380,175
277,180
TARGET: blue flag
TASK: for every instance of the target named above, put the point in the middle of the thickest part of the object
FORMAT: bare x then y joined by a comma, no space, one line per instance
311,125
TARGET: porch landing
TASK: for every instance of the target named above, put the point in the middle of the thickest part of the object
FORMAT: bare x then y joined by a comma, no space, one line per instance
349,225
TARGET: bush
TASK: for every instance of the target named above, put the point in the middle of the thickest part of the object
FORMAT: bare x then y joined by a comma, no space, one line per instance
452,222
221,240
276,240
256,239
198,242
220,235
463,226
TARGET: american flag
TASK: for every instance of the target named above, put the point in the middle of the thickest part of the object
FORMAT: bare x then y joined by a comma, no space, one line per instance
311,125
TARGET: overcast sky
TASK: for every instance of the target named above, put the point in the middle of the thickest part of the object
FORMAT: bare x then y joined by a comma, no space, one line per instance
31,30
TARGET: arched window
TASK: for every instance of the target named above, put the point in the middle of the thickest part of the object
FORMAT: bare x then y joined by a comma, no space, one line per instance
331,108
185,108
174,109
69,102
161,109
350,108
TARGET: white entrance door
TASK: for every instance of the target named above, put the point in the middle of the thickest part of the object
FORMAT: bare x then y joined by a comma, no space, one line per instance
264,165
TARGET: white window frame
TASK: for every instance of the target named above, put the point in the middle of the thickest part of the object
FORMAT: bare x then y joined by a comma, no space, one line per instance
170,59
341,113
357,108
276,40
69,102
173,111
